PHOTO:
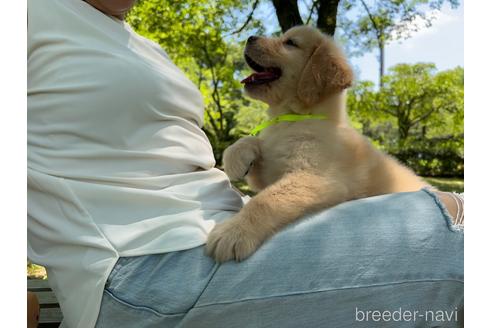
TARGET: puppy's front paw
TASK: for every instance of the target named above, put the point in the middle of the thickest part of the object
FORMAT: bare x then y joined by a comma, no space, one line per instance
232,240
239,157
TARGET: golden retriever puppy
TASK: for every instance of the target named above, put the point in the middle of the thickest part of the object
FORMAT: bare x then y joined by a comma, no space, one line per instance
303,166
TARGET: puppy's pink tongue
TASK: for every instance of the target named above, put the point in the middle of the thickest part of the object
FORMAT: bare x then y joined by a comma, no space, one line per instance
260,76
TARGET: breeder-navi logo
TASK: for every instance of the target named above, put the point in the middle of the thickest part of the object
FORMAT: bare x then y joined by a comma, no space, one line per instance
406,315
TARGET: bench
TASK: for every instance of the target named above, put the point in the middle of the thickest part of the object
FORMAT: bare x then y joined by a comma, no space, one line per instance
50,312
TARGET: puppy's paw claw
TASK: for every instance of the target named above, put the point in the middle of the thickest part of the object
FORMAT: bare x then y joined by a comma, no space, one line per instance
237,170
239,157
231,241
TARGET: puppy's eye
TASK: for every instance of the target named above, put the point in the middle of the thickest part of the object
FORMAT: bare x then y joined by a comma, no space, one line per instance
291,43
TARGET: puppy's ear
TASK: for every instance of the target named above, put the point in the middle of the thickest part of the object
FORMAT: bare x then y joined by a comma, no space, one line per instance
326,72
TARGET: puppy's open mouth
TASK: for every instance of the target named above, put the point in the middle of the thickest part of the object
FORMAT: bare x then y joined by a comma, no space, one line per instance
262,74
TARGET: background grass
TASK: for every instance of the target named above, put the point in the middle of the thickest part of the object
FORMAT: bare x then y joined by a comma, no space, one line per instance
447,184
443,184
35,271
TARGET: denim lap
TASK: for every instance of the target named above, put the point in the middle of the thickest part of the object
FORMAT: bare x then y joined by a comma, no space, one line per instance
337,268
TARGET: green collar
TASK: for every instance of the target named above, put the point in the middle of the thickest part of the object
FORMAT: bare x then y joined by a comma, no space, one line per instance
286,118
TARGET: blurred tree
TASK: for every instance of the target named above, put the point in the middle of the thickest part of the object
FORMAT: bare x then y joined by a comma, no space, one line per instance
417,115
363,24
288,14
377,23
416,96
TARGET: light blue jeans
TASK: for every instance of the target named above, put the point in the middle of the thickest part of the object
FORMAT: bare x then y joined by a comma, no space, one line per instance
387,261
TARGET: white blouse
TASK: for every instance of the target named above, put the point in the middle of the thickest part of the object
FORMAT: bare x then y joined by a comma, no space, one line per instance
117,162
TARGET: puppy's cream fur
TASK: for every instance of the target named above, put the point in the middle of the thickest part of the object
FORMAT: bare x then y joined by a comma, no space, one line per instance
301,167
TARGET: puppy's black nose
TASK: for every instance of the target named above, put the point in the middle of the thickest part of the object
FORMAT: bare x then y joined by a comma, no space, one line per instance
252,39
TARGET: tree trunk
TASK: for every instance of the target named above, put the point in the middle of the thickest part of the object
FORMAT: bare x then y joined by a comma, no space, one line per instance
403,130
287,13
327,16
381,63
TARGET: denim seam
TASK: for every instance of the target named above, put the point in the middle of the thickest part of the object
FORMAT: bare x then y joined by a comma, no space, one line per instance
127,257
141,307
216,267
329,290
449,220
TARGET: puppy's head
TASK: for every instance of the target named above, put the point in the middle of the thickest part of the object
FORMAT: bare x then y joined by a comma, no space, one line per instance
300,68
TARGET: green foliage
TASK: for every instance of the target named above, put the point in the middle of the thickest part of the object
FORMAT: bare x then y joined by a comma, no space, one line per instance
365,24
417,116
35,271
